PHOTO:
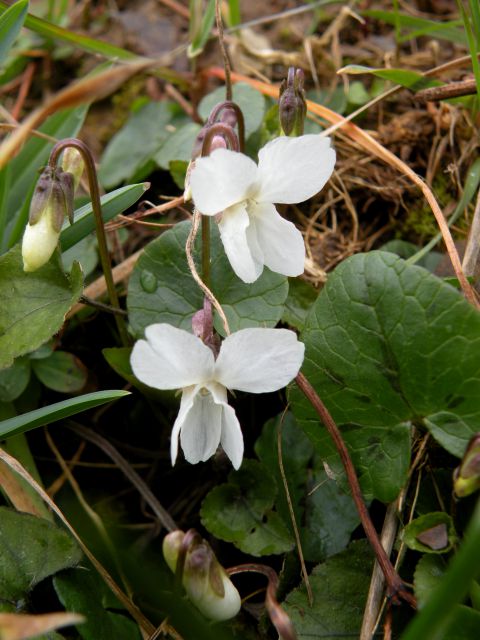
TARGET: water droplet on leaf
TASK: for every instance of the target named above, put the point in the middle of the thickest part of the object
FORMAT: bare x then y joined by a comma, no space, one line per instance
148,281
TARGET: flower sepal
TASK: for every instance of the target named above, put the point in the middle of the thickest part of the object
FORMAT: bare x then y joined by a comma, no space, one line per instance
204,579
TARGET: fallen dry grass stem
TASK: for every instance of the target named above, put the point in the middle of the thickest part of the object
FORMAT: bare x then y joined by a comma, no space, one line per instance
136,614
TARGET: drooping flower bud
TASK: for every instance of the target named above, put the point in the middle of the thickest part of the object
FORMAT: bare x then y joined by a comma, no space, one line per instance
204,579
466,477
292,106
52,199
72,162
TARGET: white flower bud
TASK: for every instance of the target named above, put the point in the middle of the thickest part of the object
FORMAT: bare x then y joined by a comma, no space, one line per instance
39,242
72,162
204,579
51,200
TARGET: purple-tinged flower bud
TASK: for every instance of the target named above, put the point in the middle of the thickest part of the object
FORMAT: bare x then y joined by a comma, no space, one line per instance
218,142
204,579
466,477
72,162
292,105
51,201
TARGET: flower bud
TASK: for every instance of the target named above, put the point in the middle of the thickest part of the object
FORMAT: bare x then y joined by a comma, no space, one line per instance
218,142
204,579
72,162
52,199
292,105
466,477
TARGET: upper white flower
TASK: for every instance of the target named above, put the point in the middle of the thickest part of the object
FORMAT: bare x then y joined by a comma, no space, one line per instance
252,360
289,170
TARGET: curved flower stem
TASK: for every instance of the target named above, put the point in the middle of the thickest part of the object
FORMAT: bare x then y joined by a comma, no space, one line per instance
229,104
82,148
220,129
215,129
278,616
396,590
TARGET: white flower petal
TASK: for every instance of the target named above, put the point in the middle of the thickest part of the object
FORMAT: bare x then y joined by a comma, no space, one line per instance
231,438
201,429
233,226
171,358
221,179
281,242
186,403
292,170
259,360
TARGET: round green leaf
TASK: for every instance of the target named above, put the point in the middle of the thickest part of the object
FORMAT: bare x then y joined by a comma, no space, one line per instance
61,372
32,549
241,512
161,288
387,344
428,573
340,588
33,304
250,101
83,591
14,380
135,144
431,533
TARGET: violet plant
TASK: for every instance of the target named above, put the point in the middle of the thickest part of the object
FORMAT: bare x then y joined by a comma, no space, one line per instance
392,351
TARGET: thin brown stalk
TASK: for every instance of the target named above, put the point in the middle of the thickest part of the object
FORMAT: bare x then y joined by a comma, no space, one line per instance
27,78
99,286
375,592
306,579
221,42
93,185
395,588
473,244
160,512
137,615
278,616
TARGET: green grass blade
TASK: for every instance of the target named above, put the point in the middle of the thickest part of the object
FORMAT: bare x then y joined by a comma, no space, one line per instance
472,45
404,77
11,21
234,17
451,30
475,11
203,33
4,187
57,411
49,30
112,204
470,189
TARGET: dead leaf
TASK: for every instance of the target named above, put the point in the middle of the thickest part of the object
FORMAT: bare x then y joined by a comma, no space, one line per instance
20,626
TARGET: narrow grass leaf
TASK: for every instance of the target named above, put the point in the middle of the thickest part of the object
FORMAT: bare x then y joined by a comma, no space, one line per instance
11,21
57,411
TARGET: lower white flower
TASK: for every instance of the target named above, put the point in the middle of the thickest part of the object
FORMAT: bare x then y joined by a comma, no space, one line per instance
252,360
289,170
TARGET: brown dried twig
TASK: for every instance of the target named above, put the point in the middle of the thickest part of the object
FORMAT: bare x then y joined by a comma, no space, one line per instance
278,616
395,588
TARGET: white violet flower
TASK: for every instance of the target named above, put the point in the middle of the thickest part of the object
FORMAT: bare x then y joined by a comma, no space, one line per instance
252,360
253,233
